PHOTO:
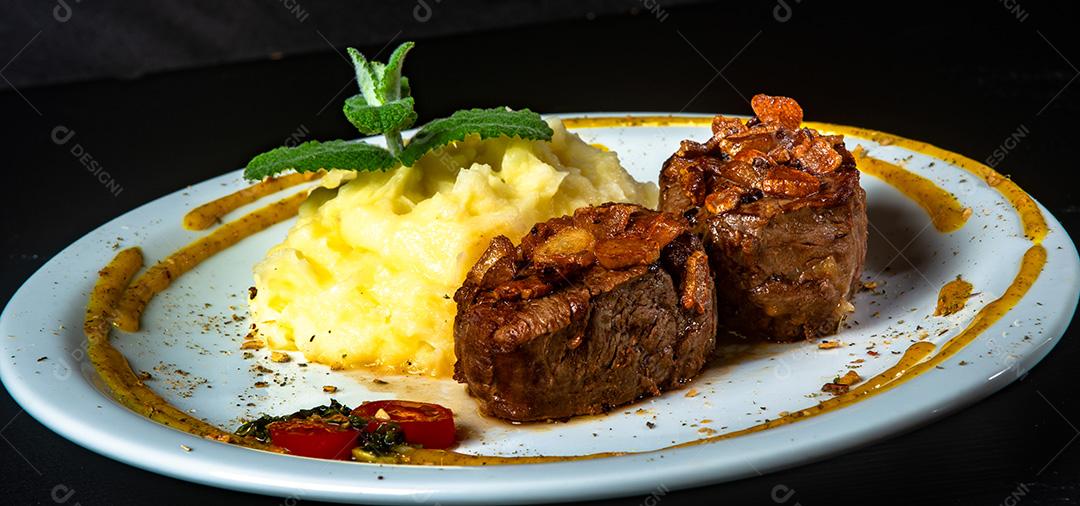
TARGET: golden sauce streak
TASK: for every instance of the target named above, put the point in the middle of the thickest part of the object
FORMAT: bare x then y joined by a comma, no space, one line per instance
113,367
952,297
210,213
126,387
945,211
1031,217
158,277
1030,267
892,376
423,457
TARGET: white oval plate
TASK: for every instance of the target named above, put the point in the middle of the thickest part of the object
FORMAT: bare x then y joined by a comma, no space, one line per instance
191,327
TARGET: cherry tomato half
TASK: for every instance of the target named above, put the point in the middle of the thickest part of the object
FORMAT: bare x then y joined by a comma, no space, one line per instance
429,425
313,439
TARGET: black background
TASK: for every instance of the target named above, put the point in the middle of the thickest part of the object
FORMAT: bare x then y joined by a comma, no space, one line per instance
961,77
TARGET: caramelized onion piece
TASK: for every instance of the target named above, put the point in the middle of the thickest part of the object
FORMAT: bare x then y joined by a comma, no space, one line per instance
525,289
817,157
780,155
501,271
788,182
741,173
696,281
757,139
499,248
760,131
723,126
571,245
663,229
625,252
782,110
723,201
748,155
692,149
604,222
541,232
691,180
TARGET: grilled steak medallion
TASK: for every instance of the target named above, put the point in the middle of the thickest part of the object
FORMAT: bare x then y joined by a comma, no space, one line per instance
589,312
782,216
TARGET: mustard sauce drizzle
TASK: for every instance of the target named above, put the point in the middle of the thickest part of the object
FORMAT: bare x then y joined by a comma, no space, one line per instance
946,212
157,278
114,369
952,297
211,213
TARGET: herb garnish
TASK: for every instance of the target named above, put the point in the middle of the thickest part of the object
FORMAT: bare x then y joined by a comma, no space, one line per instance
381,440
385,106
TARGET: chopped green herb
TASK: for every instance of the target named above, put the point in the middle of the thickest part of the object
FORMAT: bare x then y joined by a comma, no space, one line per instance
383,440
380,441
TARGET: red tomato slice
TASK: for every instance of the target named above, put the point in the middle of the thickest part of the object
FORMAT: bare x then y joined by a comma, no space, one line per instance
428,425
313,439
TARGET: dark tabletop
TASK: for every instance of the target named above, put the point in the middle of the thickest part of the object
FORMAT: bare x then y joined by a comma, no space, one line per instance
963,78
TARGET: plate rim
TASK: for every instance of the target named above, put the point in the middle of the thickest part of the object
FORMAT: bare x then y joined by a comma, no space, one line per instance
685,467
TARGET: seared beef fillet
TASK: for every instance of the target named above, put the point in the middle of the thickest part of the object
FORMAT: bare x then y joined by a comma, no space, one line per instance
782,216
590,312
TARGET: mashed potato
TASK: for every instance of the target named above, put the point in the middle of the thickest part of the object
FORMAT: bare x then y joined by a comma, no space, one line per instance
366,276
